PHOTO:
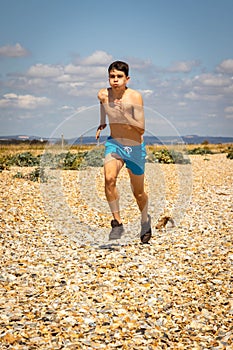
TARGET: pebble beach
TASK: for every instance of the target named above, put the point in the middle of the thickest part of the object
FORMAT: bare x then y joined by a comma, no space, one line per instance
63,285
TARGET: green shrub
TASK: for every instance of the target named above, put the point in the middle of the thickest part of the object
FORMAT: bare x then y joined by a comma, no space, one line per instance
93,158
230,154
24,159
19,175
73,161
165,156
4,163
68,161
36,175
178,157
52,160
200,151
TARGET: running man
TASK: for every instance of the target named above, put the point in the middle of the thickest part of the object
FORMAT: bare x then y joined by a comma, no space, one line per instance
124,108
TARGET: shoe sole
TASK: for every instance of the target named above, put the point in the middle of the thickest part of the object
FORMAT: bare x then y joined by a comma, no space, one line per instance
146,237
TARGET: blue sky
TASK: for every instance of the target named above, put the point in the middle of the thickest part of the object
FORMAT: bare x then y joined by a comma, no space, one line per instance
54,57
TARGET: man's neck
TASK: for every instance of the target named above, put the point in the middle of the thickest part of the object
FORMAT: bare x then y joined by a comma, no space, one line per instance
118,93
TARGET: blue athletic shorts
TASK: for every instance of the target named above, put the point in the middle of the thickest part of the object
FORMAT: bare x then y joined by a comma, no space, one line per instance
134,157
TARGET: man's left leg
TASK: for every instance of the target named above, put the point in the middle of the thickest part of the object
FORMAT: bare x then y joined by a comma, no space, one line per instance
137,185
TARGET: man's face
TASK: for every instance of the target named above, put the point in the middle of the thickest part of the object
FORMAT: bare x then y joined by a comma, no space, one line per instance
117,79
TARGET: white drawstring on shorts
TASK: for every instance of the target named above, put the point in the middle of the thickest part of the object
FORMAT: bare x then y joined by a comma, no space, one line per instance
127,149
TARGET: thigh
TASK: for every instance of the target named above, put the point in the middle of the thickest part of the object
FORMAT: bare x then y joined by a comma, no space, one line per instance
137,182
112,165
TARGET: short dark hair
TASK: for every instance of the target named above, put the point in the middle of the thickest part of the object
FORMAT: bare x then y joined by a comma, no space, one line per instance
119,65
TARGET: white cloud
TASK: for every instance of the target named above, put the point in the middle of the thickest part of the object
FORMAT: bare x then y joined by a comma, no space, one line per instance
180,96
64,78
66,108
212,80
225,66
182,104
13,51
198,96
23,101
98,58
191,95
73,69
84,72
212,115
228,109
228,89
207,87
44,71
140,65
146,93
73,79
183,66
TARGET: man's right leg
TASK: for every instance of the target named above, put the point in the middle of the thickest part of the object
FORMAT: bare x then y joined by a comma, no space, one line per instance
112,167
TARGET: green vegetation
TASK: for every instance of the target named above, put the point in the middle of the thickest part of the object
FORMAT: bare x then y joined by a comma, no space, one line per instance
230,153
67,161
4,162
24,159
166,156
36,175
93,158
200,150
20,159
78,158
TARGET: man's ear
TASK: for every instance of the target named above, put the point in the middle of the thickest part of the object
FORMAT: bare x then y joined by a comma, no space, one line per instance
128,79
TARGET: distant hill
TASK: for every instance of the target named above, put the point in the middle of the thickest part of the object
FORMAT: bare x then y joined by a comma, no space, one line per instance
21,138
192,139
189,139
195,139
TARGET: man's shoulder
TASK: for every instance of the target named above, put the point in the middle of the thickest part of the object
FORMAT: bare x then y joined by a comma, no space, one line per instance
132,91
134,94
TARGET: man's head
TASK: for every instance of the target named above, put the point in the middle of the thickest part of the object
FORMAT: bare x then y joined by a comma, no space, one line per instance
119,65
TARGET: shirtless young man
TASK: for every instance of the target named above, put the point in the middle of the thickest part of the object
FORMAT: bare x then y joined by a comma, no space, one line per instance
124,108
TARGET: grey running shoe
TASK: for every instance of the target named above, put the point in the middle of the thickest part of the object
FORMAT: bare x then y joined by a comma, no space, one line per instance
146,234
117,230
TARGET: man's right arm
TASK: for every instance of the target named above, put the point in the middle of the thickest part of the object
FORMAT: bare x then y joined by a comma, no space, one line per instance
102,113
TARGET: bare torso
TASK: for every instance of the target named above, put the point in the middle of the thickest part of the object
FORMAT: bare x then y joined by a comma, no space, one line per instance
126,117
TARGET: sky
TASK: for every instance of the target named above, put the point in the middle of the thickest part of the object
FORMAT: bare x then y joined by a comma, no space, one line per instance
54,57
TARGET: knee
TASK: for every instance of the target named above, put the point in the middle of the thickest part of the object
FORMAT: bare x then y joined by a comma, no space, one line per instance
110,180
140,196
